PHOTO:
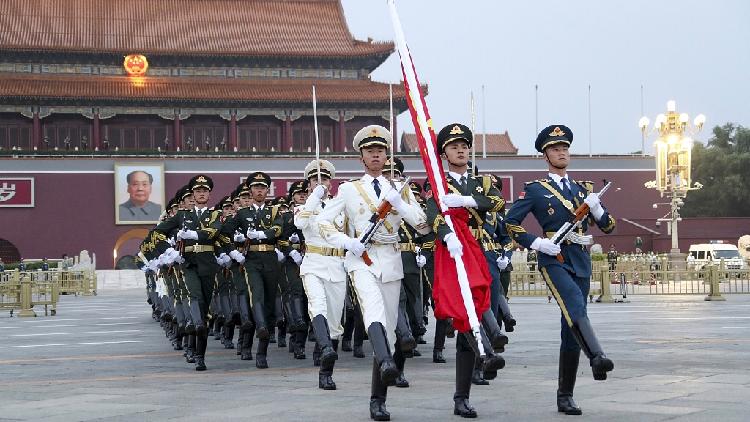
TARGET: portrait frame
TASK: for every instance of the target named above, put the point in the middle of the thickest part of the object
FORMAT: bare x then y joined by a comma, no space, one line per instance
126,212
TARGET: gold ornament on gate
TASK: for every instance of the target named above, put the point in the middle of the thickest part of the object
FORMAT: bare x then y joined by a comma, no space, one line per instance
135,64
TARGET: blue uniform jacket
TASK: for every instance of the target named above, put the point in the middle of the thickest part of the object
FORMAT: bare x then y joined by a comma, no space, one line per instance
545,200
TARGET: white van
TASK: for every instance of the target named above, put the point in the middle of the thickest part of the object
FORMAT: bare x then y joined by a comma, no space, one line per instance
712,253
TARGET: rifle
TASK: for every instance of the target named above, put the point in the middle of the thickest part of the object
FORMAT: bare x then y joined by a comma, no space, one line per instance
376,220
567,231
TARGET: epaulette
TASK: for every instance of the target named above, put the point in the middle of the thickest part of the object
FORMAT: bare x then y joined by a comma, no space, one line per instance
536,181
587,184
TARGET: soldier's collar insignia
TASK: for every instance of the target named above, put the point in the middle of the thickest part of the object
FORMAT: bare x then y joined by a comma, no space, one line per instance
456,130
557,132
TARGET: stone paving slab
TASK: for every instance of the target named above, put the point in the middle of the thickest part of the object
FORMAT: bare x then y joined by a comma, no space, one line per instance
677,358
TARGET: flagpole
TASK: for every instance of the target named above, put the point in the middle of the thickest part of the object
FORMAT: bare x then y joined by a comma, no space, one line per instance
484,128
390,120
473,132
438,184
317,138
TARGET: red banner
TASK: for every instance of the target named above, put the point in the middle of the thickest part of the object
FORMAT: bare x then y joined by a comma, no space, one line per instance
16,192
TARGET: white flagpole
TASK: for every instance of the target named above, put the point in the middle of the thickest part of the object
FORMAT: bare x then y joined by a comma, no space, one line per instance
474,134
317,139
390,120
411,81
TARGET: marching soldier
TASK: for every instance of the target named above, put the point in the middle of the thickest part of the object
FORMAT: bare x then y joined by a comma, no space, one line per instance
198,229
261,224
295,299
223,311
410,300
479,197
553,201
241,314
322,270
378,286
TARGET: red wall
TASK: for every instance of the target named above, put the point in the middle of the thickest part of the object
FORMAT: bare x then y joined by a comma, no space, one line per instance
76,211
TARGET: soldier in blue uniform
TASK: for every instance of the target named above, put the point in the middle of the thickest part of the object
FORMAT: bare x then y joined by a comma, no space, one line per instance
553,201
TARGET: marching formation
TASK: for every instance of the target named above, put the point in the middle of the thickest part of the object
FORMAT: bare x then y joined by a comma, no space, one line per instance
360,264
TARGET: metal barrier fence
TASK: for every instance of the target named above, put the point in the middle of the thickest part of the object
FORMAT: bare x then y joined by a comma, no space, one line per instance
23,291
711,280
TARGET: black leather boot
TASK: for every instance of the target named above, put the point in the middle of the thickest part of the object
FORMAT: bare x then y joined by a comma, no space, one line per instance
200,353
498,340
491,362
218,327
327,354
439,344
388,370
281,336
477,378
358,336
600,363
400,360
240,342
566,382
406,340
509,322
325,375
228,339
378,394
190,355
260,354
262,331
246,351
300,339
464,373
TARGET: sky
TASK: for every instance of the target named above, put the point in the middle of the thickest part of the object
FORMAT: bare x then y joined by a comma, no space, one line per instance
694,52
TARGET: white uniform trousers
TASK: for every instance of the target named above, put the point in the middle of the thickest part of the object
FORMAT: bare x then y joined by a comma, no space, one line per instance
378,301
325,297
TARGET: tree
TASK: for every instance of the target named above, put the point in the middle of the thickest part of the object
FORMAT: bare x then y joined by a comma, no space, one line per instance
723,168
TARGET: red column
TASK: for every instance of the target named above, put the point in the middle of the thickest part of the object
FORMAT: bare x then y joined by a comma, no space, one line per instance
96,141
286,141
342,134
232,132
176,130
36,132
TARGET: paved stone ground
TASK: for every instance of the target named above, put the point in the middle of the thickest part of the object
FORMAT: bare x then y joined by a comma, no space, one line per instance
676,358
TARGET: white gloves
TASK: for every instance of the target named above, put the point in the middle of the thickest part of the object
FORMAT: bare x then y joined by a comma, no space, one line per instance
354,246
294,238
592,200
546,246
502,263
237,256
319,192
171,241
239,237
454,200
153,265
296,256
187,234
255,234
279,255
394,197
224,259
421,261
455,248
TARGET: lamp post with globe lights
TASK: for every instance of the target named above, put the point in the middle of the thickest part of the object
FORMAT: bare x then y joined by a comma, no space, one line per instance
673,148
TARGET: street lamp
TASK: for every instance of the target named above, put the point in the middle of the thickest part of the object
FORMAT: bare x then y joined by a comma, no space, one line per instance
673,148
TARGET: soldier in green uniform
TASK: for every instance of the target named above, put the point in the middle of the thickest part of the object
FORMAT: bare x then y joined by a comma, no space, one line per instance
240,299
261,225
291,245
223,310
198,229
479,197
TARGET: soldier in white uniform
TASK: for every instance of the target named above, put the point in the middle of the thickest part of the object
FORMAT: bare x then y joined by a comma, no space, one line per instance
378,285
322,271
